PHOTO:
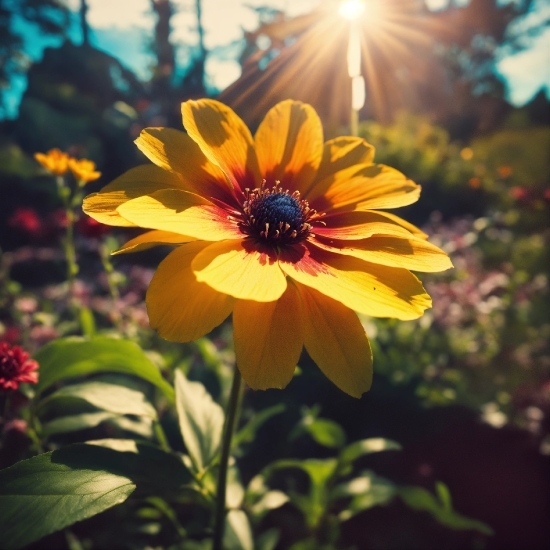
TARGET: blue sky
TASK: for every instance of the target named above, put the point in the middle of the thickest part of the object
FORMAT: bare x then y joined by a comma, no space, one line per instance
120,27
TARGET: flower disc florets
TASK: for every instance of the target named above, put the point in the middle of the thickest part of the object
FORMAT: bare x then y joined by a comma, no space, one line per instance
276,216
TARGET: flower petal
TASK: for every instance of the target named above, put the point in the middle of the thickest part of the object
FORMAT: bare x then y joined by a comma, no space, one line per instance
180,212
138,181
403,223
224,139
365,187
180,308
369,288
150,239
358,225
341,153
176,152
406,253
268,339
289,145
336,341
241,270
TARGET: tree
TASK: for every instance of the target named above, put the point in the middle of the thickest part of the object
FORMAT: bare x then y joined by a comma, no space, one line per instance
163,72
51,17
193,84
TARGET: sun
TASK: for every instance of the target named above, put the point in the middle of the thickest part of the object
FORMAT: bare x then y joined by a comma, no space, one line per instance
352,9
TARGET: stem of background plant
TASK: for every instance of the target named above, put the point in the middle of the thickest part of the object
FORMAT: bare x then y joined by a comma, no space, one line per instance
5,405
70,253
229,428
105,252
161,436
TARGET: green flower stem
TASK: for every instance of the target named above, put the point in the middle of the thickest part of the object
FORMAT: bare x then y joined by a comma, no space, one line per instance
69,248
161,437
104,254
229,428
70,252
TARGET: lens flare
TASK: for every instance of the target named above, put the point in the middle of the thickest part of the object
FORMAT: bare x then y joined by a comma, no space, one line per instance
351,9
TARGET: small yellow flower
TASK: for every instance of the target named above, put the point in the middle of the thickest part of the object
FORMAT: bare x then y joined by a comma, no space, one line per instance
55,161
84,170
281,231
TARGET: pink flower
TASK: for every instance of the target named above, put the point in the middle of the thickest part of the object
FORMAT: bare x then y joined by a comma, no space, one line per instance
16,367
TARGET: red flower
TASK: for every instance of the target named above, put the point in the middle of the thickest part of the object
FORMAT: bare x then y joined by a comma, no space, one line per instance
519,193
16,367
88,227
58,219
10,334
27,220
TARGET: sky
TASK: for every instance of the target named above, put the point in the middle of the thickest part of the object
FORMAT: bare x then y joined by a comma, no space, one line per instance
121,28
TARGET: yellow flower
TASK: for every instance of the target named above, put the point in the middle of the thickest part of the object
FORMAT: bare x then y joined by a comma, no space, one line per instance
279,230
83,170
55,161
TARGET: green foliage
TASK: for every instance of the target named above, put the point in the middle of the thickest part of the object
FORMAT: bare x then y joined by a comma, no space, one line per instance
108,397
440,508
44,494
365,491
238,534
74,357
323,431
365,447
200,419
247,433
523,150
336,492
56,489
328,483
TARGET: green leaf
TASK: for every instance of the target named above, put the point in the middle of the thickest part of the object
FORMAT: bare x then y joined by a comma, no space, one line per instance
269,501
320,472
367,446
42,495
420,499
248,432
154,471
268,539
444,495
200,419
84,421
112,398
73,357
75,423
53,490
141,425
238,534
366,491
326,433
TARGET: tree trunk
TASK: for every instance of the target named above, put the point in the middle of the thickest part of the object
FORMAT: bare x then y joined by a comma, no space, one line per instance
84,23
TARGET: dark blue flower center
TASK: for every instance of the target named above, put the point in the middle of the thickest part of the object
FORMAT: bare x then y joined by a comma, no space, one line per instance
278,211
275,216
